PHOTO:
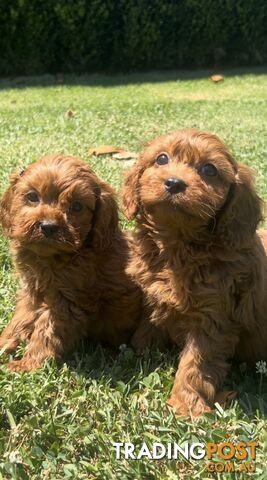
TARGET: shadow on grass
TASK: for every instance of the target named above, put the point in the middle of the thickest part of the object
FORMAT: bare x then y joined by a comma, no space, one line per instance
101,80
95,362
127,367
251,388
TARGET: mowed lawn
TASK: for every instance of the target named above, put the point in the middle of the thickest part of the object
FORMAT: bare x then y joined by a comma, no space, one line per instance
60,421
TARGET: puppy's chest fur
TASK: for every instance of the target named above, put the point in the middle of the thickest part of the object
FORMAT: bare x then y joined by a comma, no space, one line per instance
78,287
85,293
68,276
187,286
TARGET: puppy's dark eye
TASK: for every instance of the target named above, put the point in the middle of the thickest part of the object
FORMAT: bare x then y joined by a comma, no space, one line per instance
162,159
76,206
209,170
32,197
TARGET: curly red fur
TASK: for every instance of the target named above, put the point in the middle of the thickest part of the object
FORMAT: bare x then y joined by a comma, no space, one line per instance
199,261
72,280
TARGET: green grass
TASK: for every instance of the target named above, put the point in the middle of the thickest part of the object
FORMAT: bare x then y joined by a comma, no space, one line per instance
60,421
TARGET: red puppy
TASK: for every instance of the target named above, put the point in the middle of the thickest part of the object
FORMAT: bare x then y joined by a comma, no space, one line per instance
70,256
198,259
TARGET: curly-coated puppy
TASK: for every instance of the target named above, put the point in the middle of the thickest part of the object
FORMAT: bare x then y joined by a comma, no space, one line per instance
70,256
198,259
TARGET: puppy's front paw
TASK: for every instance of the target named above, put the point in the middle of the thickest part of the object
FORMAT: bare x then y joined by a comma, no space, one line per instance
8,344
195,406
24,365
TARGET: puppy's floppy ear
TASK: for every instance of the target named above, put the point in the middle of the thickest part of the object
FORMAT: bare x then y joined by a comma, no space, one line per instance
130,195
106,217
242,212
6,203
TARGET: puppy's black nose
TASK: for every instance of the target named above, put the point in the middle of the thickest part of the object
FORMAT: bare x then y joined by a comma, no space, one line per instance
48,228
175,185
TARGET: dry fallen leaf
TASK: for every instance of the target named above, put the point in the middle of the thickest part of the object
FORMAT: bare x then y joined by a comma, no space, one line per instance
225,397
216,78
130,162
105,150
125,155
70,114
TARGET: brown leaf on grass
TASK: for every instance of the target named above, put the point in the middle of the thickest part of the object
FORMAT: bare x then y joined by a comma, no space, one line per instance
70,114
125,155
225,397
105,150
216,78
143,404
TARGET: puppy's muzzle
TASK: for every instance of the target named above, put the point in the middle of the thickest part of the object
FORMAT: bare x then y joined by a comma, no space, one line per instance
175,185
49,228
